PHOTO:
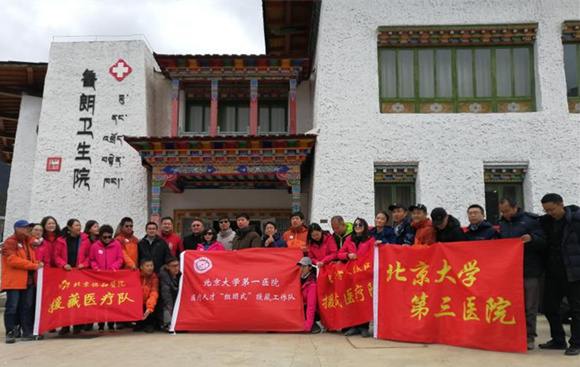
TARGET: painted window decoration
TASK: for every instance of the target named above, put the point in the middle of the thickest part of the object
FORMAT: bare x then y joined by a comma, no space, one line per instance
571,41
502,181
394,183
477,69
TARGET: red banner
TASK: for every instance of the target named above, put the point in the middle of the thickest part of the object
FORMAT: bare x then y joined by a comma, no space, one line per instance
248,290
76,297
345,293
466,294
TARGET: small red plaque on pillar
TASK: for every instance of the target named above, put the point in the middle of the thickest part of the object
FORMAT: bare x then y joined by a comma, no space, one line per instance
53,164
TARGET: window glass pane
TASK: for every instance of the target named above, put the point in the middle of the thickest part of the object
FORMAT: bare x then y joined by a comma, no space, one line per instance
388,77
278,122
227,118
464,74
522,72
426,76
404,195
406,75
492,198
195,118
243,119
503,72
383,196
571,69
206,118
483,73
264,118
444,75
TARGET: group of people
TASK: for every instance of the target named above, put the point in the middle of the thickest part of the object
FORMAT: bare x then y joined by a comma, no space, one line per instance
551,250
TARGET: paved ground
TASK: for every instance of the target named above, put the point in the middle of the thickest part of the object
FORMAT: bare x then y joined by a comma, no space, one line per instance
127,348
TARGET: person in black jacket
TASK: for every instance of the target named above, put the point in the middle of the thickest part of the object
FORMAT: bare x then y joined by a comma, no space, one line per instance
402,225
516,223
196,237
447,227
479,229
154,247
168,289
562,226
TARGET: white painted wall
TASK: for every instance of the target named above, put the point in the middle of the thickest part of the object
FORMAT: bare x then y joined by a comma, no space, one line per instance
450,148
20,185
52,193
225,199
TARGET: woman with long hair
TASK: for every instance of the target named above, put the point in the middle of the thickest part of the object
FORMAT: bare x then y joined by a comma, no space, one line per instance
382,231
51,232
321,245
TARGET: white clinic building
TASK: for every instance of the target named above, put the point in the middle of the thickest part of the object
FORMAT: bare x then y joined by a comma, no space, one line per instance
354,105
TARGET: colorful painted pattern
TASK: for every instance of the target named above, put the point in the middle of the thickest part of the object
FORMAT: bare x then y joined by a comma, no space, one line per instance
571,31
507,174
395,173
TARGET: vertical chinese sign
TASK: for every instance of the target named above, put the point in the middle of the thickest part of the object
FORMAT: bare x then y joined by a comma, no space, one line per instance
75,297
345,293
249,290
466,294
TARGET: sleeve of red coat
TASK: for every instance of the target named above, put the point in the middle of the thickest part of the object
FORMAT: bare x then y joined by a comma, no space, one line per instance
58,255
10,253
84,250
311,300
153,295
343,252
333,251
311,255
118,264
92,258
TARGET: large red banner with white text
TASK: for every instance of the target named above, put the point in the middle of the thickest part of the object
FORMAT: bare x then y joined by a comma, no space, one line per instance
76,297
247,290
466,294
345,293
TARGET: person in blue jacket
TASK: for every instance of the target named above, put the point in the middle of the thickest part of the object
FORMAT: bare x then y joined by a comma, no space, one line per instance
404,233
382,231
479,229
271,237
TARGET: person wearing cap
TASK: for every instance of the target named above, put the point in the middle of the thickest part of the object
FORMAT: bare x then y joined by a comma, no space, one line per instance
295,237
424,231
309,295
341,230
404,233
18,281
479,229
447,227
226,234
382,232
209,243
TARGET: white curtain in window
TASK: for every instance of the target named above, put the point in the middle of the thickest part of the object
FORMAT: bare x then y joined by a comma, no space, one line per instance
195,121
264,119
426,74
571,69
388,76
503,73
522,72
406,74
483,72
278,119
464,74
228,119
444,74
243,119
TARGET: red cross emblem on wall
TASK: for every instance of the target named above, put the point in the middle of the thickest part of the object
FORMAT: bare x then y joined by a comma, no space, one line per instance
120,70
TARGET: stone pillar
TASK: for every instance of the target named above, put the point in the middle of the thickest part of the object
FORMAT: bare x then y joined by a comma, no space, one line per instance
214,108
174,108
292,106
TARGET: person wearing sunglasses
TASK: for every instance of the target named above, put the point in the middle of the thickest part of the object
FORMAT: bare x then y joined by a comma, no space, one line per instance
106,254
226,234
192,241
209,242
129,242
357,245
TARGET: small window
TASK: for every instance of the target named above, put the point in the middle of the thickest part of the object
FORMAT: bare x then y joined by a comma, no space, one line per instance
500,182
197,117
571,39
394,183
234,117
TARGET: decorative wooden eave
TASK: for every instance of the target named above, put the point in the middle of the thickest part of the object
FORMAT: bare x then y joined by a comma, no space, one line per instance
473,35
233,67
571,31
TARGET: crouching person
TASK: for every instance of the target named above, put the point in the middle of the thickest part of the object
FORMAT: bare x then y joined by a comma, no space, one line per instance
150,287
309,296
169,283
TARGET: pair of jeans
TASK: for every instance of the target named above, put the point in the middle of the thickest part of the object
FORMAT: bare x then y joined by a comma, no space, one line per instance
558,287
19,305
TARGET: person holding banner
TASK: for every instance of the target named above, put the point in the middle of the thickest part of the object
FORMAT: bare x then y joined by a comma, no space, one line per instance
341,230
447,227
424,230
382,232
50,235
271,237
18,280
321,246
169,288
72,250
150,287
129,243
358,244
209,243
402,225
309,295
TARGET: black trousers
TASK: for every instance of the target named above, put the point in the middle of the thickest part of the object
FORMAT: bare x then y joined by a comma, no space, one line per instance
556,288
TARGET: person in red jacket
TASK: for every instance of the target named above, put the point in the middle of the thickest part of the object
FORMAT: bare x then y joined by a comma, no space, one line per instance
150,287
357,245
209,243
72,250
295,237
18,267
322,248
171,238
424,231
309,295
50,235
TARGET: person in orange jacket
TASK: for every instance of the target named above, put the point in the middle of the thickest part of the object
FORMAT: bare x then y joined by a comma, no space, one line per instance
150,287
295,237
129,243
424,231
18,280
